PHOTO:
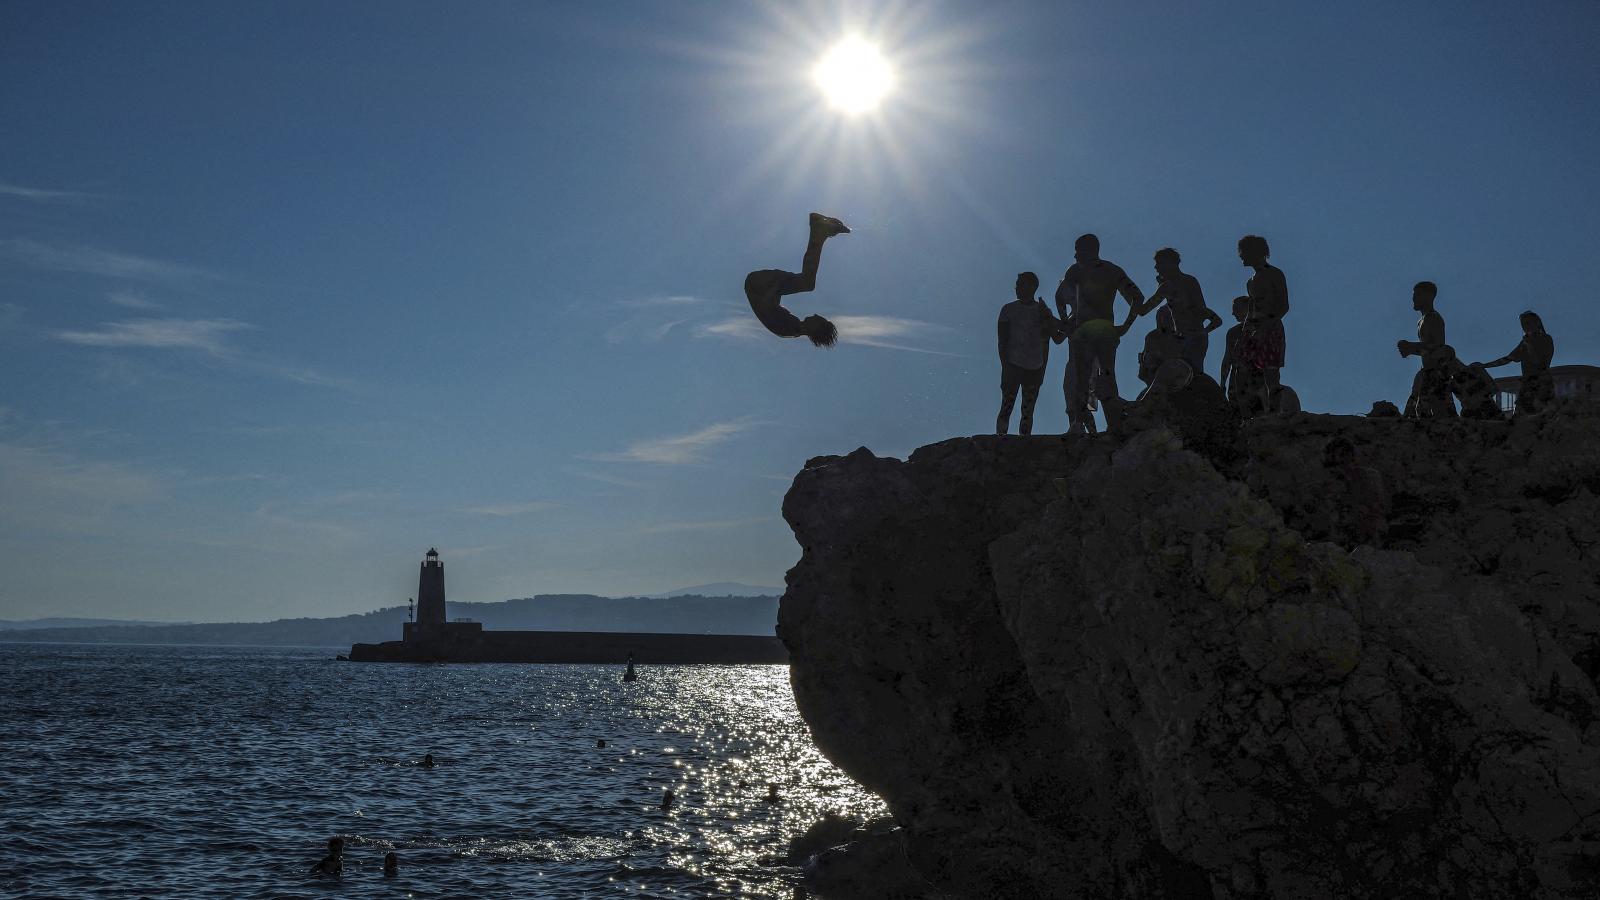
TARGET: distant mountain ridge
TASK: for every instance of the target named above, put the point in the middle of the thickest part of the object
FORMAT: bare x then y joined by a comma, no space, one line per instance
72,622
721,589
685,614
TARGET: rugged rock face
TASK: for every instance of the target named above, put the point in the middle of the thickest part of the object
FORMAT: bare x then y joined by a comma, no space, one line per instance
1116,667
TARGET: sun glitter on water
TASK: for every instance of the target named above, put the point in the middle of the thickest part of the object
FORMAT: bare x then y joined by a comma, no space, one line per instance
854,76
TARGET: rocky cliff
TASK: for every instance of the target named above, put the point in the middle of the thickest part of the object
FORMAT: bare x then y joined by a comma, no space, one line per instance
1119,667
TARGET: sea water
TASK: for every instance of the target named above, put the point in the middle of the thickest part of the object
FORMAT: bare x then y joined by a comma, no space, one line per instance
145,771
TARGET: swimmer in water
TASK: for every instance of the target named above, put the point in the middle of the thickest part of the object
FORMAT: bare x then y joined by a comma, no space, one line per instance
601,743
766,288
391,864
772,794
667,796
333,863
427,761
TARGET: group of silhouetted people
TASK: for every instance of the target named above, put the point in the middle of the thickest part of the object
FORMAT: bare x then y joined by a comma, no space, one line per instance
1443,379
1174,353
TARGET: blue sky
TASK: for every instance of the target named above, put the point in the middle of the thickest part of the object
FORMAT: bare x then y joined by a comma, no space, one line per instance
291,292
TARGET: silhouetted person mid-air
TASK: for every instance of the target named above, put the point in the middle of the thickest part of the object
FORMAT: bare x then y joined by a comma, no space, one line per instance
333,863
1261,344
1090,287
767,287
1192,319
1430,389
1025,329
1534,352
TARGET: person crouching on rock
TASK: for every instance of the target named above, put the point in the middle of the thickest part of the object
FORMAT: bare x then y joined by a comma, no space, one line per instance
1026,327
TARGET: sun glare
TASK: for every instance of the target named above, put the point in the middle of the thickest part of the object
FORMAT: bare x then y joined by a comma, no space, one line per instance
854,76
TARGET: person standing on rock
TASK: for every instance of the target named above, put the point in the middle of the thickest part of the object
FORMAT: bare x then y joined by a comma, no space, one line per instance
1180,291
1090,287
1534,352
1430,389
766,288
1026,327
1261,345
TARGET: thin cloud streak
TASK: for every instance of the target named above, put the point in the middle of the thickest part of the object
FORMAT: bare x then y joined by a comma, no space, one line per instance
94,261
703,525
888,332
206,335
507,510
131,301
680,449
43,195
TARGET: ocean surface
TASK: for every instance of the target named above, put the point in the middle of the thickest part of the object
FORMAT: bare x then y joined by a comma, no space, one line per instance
136,771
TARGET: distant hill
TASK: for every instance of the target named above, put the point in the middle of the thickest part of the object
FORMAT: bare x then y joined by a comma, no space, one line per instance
721,589
69,622
688,614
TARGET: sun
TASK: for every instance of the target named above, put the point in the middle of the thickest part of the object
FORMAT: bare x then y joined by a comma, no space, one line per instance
854,76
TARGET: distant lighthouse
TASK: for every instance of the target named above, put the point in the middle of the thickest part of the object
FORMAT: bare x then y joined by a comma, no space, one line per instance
430,591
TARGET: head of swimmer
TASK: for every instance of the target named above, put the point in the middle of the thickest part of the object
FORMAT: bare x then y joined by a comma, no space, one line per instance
1086,249
1027,284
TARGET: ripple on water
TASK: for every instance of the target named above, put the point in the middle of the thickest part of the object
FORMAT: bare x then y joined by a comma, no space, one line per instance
207,771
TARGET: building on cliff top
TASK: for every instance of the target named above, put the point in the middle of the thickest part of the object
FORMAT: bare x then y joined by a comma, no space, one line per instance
1573,382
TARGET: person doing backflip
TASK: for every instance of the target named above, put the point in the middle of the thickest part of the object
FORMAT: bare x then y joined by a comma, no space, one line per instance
765,288
1025,330
1090,287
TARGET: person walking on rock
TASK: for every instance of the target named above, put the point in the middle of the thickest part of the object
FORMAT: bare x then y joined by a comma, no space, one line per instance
1430,389
766,288
1090,288
1025,329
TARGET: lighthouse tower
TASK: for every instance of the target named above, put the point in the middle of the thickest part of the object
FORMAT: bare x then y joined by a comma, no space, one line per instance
430,591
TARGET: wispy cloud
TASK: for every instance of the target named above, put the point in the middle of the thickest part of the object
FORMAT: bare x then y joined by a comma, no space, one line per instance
94,261
10,314
889,332
703,525
43,195
507,510
608,478
652,318
669,300
679,449
131,301
207,335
